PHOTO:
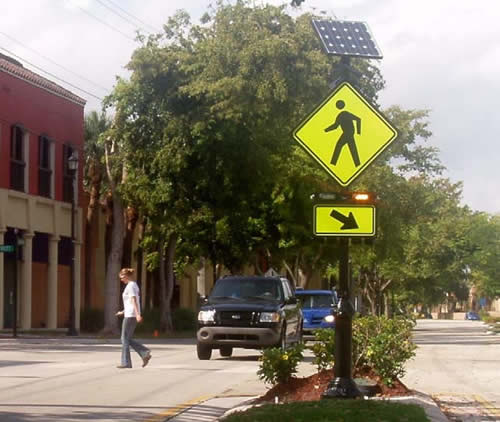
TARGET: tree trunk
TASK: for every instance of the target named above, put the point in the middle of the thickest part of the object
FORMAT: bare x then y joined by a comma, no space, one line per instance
139,257
112,289
95,191
167,279
131,220
163,287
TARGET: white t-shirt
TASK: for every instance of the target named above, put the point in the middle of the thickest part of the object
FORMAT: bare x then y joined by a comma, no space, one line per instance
131,290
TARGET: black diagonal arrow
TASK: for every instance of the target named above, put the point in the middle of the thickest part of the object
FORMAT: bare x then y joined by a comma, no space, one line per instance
349,222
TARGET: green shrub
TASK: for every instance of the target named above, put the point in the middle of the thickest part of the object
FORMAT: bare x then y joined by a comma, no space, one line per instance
324,348
91,320
382,344
277,365
379,343
484,315
184,319
150,321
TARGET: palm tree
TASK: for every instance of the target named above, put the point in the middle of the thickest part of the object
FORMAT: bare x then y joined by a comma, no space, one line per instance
95,125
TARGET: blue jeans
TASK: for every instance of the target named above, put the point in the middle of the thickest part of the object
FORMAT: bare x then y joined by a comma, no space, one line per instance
128,327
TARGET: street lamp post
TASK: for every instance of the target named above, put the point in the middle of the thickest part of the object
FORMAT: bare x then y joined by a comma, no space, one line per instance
72,170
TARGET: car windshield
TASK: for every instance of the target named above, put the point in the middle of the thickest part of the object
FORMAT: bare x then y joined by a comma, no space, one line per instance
316,301
247,288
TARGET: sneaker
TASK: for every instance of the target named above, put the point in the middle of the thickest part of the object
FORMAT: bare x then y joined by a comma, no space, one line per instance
123,366
146,359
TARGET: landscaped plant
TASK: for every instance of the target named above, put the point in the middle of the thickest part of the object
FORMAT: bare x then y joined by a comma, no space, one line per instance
379,343
324,348
383,344
486,317
91,320
184,319
150,321
278,365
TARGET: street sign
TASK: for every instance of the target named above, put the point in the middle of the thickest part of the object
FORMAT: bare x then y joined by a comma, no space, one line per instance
345,133
344,220
7,248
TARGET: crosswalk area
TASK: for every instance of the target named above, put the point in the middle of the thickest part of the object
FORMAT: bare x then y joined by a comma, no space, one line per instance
467,407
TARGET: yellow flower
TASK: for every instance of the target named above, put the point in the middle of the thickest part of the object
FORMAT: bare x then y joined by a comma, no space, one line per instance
285,357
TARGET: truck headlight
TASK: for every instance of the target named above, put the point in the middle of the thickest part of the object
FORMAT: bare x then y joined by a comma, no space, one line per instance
329,318
270,317
206,316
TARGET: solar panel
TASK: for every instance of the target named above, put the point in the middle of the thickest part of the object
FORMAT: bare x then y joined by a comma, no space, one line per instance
347,38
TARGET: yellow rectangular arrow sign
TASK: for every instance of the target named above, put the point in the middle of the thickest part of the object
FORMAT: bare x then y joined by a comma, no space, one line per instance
344,220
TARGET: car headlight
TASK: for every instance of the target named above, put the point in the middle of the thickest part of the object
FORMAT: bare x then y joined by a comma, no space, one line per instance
270,317
329,318
206,316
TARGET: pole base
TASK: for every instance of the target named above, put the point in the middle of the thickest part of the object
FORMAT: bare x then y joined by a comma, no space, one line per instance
341,388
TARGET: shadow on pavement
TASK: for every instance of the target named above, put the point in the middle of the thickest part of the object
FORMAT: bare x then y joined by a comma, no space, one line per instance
55,412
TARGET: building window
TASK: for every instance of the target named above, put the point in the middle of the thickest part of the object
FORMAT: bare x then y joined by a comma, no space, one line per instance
17,159
40,248
67,178
65,249
44,167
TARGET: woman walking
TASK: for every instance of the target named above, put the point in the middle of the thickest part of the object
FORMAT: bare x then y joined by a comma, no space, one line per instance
132,315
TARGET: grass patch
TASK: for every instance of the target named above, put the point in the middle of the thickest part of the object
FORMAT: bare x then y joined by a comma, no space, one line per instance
332,411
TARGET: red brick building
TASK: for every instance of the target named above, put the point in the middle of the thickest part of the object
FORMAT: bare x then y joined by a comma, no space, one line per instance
41,125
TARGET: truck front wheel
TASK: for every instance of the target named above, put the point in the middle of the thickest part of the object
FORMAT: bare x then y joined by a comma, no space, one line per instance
204,352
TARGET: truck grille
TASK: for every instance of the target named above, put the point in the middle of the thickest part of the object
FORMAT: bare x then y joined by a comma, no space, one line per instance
316,320
238,318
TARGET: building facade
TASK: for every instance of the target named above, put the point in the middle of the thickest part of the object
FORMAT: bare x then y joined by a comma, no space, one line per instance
41,126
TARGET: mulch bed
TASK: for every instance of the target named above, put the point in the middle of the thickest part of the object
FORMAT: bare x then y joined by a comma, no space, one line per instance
311,388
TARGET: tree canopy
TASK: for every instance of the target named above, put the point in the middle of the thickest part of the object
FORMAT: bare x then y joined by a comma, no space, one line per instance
205,124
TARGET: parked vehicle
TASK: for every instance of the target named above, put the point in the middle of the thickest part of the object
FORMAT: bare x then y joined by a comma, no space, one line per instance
472,315
250,312
318,308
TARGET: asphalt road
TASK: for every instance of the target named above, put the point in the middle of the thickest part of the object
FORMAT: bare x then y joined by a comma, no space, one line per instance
75,379
458,364
72,379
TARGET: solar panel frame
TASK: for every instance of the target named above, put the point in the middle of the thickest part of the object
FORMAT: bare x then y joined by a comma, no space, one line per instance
347,38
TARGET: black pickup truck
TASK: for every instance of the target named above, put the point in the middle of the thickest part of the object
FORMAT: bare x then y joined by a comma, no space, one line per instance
250,312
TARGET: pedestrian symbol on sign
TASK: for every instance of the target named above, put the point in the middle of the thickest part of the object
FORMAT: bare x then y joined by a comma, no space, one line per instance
345,121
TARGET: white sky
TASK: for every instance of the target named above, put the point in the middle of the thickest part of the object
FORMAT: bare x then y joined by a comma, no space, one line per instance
441,55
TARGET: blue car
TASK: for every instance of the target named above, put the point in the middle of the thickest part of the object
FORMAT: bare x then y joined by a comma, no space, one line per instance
473,316
318,308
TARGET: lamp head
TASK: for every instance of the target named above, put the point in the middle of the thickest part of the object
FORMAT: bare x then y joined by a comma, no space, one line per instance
73,163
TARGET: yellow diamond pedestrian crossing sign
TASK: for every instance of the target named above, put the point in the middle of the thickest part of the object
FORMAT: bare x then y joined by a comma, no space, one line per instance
345,133
344,220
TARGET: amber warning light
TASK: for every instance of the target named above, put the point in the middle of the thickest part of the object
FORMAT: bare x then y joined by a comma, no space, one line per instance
345,197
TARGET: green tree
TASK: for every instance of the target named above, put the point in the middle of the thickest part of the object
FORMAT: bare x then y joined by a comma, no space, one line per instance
208,113
95,125
483,264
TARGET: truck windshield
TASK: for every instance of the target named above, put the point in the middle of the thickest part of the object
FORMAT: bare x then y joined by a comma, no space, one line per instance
316,301
247,288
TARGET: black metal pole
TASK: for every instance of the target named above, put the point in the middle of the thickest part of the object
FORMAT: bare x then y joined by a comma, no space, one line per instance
14,304
343,386
72,321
